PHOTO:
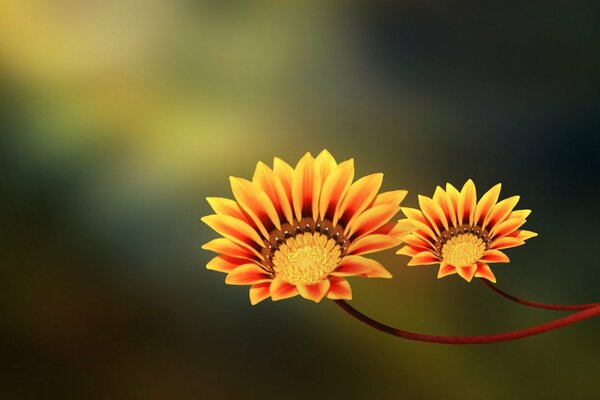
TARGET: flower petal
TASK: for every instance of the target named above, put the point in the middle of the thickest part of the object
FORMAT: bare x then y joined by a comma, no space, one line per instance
285,173
500,212
467,201
259,292
232,228
445,270
424,258
306,185
281,289
506,243
225,263
422,225
268,181
485,204
354,265
247,274
334,189
400,229
467,273
371,220
255,202
434,214
506,228
442,199
314,292
372,243
325,163
409,251
484,271
223,206
359,197
393,197
339,289
494,256
418,243
377,271
524,235
229,248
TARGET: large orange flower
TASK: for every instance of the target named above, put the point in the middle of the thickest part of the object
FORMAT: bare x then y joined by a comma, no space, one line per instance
463,235
303,230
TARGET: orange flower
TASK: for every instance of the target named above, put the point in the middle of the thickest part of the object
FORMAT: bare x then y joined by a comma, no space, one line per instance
303,230
463,235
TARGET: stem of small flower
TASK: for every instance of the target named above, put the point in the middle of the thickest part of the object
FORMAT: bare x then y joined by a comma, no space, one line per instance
483,339
535,304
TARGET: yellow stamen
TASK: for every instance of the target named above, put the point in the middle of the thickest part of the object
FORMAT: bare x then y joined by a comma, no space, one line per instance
306,259
463,250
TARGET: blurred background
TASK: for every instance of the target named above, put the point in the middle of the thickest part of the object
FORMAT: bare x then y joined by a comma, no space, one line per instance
118,118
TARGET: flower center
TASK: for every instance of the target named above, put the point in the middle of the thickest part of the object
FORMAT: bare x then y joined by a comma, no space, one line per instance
463,250
306,258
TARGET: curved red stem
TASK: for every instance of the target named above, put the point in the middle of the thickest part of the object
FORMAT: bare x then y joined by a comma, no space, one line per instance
483,339
535,304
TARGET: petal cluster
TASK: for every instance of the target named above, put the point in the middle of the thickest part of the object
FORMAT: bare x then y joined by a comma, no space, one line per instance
303,230
464,235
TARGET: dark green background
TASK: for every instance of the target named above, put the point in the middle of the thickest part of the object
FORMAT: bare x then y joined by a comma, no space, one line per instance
118,120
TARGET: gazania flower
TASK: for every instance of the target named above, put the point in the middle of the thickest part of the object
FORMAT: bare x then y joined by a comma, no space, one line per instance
463,235
303,230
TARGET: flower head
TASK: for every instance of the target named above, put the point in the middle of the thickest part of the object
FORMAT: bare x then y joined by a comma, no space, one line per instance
463,235
303,230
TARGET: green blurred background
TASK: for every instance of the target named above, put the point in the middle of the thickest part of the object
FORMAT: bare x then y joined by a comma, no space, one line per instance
119,117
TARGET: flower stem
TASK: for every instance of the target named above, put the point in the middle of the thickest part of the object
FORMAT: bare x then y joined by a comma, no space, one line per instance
483,339
535,304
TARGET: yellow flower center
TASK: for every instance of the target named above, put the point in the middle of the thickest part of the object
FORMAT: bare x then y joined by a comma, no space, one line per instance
306,258
463,250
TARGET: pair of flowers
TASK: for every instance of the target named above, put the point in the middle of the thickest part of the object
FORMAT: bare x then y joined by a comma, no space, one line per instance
304,230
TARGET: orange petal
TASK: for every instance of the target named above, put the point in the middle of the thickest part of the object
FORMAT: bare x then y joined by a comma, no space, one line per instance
434,214
247,274
255,202
485,205
400,229
417,243
339,289
417,218
272,186
506,228
501,211
394,197
523,214
467,273
524,235
359,197
441,198
372,243
377,271
259,292
424,258
354,265
223,206
285,173
467,201
314,292
232,228
224,263
409,251
227,247
495,256
453,195
306,186
484,271
280,290
506,243
445,270
371,220
335,188
325,163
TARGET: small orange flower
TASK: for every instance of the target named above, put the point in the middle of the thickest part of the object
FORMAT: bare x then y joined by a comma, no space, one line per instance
303,230
463,235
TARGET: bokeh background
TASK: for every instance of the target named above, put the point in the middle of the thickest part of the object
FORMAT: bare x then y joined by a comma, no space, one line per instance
119,117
